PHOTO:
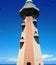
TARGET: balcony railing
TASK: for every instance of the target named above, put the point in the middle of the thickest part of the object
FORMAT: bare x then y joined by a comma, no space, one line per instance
22,40
23,24
35,34
34,20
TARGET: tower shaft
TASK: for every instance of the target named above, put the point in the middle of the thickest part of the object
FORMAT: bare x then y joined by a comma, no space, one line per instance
29,53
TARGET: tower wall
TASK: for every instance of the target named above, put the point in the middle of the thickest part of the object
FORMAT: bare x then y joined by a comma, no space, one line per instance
20,60
36,46
29,52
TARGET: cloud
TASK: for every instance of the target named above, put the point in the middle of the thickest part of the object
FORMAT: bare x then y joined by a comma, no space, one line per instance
11,60
52,59
48,58
45,56
8,60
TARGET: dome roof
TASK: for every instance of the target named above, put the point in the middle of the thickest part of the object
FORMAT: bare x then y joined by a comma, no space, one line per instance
29,9
29,4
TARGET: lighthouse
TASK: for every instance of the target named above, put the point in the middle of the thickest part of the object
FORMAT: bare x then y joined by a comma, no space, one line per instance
30,52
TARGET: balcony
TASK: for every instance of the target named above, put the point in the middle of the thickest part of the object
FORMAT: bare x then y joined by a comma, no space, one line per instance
23,24
35,34
22,40
34,20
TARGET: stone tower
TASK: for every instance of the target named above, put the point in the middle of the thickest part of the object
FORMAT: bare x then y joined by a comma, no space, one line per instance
29,53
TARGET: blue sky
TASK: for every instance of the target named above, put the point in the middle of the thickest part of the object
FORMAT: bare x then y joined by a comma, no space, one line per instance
10,29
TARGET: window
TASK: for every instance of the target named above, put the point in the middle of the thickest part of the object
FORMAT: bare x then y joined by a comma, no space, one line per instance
35,24
22,38
39,64
23,26
37,39
21,44
28,63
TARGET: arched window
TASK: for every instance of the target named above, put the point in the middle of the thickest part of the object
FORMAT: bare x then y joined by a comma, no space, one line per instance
39,64
28,63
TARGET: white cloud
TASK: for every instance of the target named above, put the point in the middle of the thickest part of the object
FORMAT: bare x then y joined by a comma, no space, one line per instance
45,56
8,60
52,59
11,60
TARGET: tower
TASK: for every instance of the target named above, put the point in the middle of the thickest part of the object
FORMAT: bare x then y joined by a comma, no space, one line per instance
29,53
